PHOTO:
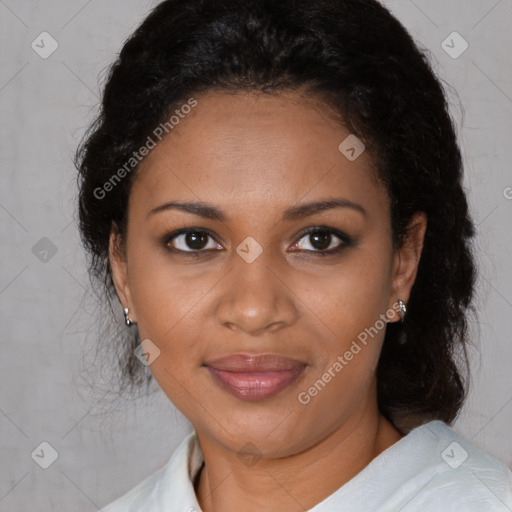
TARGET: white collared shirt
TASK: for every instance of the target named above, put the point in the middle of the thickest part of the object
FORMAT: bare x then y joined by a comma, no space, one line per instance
431,469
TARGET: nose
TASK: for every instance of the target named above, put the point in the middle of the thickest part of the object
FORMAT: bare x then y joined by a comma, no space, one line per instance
255,297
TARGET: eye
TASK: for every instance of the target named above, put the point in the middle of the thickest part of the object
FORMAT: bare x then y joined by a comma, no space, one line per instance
190,240
318,240
321,240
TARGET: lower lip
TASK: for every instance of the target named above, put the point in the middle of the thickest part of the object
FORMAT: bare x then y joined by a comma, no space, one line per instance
255,386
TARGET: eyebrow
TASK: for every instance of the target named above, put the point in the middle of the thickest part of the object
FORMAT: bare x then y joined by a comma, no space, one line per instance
294,213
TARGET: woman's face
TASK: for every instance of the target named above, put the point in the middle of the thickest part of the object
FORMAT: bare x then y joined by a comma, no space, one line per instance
250,280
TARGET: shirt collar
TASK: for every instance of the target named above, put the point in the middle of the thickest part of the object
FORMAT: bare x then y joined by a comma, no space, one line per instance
175,490
177,485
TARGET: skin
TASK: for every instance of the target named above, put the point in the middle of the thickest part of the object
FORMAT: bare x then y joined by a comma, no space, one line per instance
253,156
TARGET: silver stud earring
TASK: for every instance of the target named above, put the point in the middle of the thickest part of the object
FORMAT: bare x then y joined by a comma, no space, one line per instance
127,320
402,309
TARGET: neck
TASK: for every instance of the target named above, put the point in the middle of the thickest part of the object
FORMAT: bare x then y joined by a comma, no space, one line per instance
299,480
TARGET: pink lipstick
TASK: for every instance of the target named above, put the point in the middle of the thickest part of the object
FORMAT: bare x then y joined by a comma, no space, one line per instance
255,376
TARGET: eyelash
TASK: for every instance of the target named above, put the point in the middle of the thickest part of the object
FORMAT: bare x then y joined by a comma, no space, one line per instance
346,241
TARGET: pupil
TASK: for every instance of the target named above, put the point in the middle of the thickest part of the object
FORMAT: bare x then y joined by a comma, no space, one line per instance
320,238
196,240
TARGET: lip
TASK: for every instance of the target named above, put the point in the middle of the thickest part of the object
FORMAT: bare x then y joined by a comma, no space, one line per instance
255,376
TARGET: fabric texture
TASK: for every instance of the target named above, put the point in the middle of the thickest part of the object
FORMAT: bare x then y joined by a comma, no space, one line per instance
431,469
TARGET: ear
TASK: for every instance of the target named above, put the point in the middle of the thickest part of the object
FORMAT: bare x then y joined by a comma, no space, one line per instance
406,261
119,267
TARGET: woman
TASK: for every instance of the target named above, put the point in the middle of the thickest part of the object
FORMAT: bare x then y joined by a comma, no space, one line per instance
273,190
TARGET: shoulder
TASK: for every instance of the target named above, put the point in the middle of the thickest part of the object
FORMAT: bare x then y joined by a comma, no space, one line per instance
456,474
169,486
139,498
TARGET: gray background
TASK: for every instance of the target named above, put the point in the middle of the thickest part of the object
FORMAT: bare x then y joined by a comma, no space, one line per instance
48,323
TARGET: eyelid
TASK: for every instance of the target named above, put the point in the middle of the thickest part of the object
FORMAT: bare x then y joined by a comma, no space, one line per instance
170,237
345,239
312,229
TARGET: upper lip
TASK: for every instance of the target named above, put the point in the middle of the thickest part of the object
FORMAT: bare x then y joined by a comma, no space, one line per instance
254,363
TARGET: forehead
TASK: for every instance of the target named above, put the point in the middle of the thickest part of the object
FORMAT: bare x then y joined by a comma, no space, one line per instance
250,148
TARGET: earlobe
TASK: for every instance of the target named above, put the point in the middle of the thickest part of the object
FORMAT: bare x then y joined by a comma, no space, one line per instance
118,265
407,259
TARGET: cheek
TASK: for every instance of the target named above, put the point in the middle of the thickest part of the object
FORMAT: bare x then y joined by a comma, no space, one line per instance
355,294
345,297
348,353
163,294
350,308
339,305
167,304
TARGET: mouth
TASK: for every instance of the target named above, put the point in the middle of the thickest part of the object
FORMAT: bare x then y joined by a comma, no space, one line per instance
255,377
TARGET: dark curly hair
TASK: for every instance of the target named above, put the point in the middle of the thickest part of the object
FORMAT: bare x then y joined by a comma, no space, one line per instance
356,57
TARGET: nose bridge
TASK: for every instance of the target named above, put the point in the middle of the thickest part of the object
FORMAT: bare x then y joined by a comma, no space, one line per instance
254,298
